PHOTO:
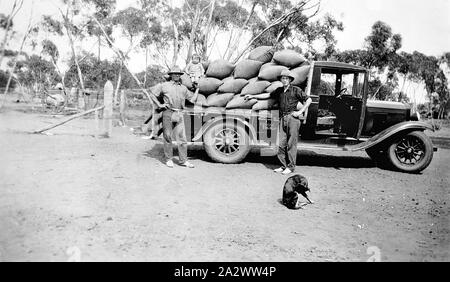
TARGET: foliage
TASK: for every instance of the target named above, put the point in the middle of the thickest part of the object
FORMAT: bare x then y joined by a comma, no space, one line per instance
4,22
49,48
36,72
4,76
96,73
132,21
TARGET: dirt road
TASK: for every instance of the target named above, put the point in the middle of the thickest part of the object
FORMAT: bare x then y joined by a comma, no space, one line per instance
70,196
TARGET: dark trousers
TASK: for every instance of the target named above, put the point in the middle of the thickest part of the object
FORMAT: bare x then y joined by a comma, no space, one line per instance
289,131
173,122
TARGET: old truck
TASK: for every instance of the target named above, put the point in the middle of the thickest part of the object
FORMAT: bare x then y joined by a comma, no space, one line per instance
340,117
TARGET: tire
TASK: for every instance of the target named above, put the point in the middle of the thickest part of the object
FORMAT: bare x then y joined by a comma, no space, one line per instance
226,142
411,153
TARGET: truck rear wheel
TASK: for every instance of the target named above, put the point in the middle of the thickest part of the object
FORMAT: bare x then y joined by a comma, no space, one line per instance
227,142
411,153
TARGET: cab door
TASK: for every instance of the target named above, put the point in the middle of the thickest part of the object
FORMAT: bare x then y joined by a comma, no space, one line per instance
340,104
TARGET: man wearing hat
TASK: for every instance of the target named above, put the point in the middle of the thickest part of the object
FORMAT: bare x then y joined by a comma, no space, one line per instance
174,95
293,103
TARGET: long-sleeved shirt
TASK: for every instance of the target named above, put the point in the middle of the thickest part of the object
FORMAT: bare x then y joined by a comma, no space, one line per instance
289,99
174,94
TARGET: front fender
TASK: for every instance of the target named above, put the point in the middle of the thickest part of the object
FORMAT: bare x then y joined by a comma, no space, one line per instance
399,128
214,121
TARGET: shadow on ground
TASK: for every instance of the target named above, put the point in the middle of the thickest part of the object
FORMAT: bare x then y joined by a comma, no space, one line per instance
304,158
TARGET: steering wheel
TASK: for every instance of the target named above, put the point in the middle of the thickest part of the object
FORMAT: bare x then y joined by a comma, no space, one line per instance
342,92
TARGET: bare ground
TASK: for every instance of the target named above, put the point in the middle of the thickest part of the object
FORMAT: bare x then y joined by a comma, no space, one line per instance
71,196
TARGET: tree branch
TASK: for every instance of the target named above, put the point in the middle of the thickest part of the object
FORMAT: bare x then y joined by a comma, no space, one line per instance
124,61
273,24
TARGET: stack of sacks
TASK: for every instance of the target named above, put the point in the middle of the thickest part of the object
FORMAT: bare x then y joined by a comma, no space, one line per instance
249,69
225,84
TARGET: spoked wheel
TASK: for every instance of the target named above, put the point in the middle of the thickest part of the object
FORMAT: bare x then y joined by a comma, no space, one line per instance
412,152
227,143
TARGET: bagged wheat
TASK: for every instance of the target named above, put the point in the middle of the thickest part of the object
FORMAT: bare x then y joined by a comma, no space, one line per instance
254,88
238,102
274,86
268,104
300,74
263,54
231,85
201,100
186,81
270,71
252,80
247,69
219,100
288,58
205,65
220,69
209,85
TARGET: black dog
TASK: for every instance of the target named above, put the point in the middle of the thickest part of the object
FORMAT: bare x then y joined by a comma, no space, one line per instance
295,185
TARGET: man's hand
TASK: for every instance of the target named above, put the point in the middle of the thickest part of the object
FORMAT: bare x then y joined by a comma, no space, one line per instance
297,114
163,107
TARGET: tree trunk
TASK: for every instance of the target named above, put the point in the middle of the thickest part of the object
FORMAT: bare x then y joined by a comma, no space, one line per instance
72,47
241,31
122,107
208,29
194,26
99,45
146,67
119,81
176,46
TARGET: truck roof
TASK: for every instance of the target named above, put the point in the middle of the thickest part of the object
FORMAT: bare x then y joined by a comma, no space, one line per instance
338,65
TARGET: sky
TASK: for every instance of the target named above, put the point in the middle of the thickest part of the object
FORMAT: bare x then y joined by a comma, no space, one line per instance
424,25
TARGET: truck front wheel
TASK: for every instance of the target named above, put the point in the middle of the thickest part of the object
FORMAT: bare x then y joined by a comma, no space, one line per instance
227,142
411,153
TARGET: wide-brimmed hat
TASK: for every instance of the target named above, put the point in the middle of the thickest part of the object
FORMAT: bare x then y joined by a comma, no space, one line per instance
288,74
175,70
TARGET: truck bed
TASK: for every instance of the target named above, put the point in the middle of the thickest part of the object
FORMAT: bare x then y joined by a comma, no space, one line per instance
195,110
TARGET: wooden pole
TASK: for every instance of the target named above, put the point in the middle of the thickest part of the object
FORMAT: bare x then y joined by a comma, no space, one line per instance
73,96
122,107
81,104
68,119
97,124
108,111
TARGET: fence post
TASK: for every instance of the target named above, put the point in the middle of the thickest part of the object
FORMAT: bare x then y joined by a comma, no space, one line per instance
122,107
73,96
81,104
108,110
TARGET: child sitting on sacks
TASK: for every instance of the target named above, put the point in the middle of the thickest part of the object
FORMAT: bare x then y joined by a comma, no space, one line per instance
195,70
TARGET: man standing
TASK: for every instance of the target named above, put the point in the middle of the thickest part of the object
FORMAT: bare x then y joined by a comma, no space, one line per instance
174,95
293,103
